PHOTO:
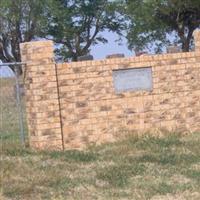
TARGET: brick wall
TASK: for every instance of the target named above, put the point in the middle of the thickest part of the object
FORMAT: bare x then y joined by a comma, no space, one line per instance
42,102
71,105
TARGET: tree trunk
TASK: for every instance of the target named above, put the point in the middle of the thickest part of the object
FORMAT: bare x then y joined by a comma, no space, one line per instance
7,56
74,58
186,46
186,40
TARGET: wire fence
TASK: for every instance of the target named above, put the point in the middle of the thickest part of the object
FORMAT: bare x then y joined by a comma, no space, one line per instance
12,110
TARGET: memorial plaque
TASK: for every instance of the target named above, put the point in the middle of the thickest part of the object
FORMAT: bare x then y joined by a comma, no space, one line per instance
134,79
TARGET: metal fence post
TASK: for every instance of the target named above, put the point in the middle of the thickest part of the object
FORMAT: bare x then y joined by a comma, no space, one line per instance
20,111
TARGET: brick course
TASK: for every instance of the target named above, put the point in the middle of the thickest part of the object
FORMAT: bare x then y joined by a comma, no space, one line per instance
71,105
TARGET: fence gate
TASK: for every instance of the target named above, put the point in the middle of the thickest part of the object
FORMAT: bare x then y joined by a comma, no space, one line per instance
12,112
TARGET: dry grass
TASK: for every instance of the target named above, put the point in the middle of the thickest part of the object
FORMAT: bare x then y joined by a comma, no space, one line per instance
136,168
9,118
140,168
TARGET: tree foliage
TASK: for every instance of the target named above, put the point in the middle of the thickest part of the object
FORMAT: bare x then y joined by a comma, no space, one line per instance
20,21
75,25
155,23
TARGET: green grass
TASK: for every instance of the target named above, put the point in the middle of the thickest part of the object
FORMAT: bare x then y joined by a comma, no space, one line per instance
135,168
9,118
139,168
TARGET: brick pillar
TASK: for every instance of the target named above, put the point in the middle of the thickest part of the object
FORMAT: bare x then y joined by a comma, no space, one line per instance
42,103
197,40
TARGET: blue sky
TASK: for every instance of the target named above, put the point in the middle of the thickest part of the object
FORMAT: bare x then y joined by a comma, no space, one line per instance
5,72
100,51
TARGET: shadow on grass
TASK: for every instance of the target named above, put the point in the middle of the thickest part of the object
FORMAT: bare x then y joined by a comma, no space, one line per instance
73,155
70,155
169,159
118,175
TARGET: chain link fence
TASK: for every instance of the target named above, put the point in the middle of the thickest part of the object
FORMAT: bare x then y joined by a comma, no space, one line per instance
12,110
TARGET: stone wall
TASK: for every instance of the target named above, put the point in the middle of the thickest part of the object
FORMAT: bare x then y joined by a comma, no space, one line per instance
71,105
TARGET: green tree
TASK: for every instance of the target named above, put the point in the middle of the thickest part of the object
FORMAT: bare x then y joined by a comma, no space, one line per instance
155,23
75,25
20,21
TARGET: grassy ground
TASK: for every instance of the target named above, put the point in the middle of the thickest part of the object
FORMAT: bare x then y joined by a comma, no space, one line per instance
135,168
141,168
9,118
